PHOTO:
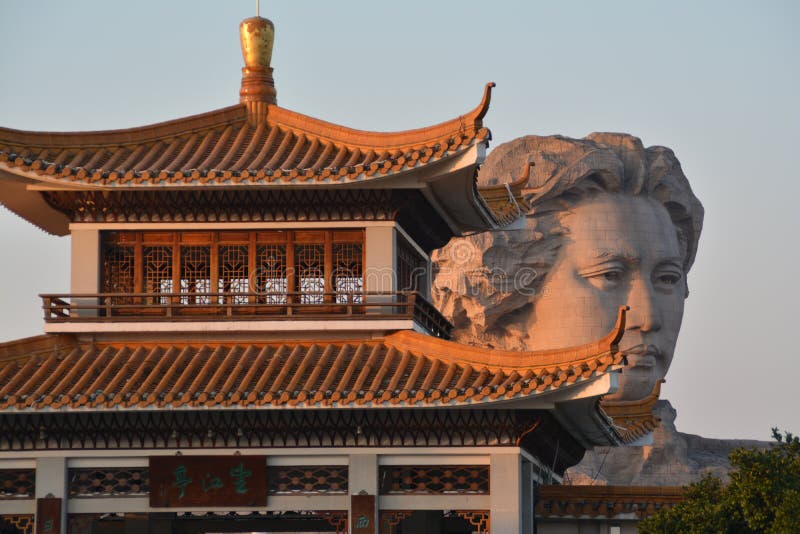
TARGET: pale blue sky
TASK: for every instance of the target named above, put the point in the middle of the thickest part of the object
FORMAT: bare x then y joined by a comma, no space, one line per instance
718,82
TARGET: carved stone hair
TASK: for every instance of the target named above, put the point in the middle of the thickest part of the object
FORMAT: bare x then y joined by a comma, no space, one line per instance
480,278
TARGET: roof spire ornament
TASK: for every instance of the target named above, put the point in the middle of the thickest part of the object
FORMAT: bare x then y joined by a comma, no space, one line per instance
257,36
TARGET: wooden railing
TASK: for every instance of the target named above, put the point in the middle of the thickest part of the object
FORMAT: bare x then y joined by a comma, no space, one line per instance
131,307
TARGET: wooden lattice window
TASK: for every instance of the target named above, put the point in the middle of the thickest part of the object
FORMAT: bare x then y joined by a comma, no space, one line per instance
309,261
109,482
412,268
348,272
17,524
233,271
157,270
118,265
405,480
271,274
262,267
310,480
17,483
195,274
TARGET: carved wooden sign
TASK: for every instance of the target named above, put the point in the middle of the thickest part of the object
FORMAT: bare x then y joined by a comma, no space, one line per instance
363,510
48,515
208,481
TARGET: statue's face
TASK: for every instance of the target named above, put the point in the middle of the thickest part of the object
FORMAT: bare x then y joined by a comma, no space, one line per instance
618,250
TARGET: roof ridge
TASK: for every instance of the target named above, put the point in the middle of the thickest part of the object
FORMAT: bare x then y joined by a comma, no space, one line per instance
516,184
471,121
574,490
125,136
510,359
34,345
380,373
634,418
276,116
630,405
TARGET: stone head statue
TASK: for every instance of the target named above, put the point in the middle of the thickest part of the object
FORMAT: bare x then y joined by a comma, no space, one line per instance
606,223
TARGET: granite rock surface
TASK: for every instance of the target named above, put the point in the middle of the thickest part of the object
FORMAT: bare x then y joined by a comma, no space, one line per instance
673,459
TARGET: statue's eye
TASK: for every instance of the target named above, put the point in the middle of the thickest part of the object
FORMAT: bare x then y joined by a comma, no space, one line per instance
607,279
608,275
669,279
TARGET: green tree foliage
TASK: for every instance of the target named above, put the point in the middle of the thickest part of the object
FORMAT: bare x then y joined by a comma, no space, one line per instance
762,496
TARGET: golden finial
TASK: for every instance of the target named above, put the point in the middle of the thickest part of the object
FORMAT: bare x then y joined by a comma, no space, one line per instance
257,36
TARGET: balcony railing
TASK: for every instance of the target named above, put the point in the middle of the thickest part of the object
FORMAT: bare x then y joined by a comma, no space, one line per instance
229,306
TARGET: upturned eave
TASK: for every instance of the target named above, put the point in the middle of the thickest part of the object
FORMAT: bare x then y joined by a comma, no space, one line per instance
225,149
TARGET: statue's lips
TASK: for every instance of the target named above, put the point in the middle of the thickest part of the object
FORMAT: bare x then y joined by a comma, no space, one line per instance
642,356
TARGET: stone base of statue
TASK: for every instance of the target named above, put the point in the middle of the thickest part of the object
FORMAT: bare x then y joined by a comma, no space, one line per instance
673,458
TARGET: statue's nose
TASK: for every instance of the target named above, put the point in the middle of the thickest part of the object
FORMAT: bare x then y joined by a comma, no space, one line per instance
645,314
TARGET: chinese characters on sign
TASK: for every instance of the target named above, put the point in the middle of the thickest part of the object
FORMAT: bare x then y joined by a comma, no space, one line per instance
363,510
181,480
48,515
208,480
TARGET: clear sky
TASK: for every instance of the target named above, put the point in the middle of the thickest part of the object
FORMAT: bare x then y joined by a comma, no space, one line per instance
716,81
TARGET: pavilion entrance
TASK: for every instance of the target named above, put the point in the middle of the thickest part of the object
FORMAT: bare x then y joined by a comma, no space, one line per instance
434,522
286,522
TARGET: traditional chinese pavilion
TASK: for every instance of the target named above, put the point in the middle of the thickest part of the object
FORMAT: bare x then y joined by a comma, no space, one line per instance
247,344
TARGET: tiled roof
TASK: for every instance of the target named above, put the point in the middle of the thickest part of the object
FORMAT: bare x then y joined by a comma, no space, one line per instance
404,369
505,200
226,148
634,419
605,502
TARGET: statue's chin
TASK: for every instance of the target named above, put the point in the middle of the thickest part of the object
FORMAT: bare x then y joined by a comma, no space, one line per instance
632,388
